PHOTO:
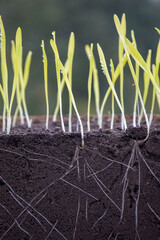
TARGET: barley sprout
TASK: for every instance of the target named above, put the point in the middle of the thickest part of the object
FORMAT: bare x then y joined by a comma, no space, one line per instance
90,86
106,73
4,72
7,104
20,73
121,50
19,106
25,78
129,48
59,83
61,88
157,63
55,50
45,66
113,80
136,93
71,47
146,83
95,82
116,75
153,95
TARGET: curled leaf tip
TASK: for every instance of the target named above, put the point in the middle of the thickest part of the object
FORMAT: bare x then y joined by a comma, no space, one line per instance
158,30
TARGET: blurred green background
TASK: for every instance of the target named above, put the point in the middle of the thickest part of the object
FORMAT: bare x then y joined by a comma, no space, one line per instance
92,22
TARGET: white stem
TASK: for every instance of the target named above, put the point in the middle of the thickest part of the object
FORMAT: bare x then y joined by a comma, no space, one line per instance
100,120
112,121
4,120
134,119
8,123
150,118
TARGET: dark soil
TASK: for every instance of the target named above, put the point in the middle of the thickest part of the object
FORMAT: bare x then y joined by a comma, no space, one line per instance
51,188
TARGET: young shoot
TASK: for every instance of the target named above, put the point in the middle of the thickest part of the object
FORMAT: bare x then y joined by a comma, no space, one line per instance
153,96
157,63
113,80
106,73
95,82
146,83
59,82
4,73
130,49
25,79
120,52
19,106
45,66
71,47
19,53
62,68
4,91
136,103
90,86
61,88
116,75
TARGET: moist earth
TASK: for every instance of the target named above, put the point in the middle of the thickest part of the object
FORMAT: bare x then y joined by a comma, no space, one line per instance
52,188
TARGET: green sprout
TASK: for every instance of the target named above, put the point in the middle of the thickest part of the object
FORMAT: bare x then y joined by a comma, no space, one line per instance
146,83
45,66
25,82
136,103
58,73
121,51
90,85
20,74
116,75
113,81
131,49
106,73
89,52
61,68
4,72
19,80
61,89
19,106
7,107
71,47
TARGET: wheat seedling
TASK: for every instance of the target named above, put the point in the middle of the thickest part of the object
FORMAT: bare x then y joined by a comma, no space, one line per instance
59,83
130,48
95,81
113,80
25,82
90,86
136,103
120,53
71,47
45,65
62,68
19,105
146,84
116,75
106,73
61,88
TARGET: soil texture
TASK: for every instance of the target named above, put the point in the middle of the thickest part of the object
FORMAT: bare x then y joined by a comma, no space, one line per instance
52,189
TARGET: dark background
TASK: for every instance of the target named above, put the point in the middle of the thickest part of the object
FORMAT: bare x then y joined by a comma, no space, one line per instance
91,21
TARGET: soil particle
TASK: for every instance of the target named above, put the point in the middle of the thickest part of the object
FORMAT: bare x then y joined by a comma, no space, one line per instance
51,188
